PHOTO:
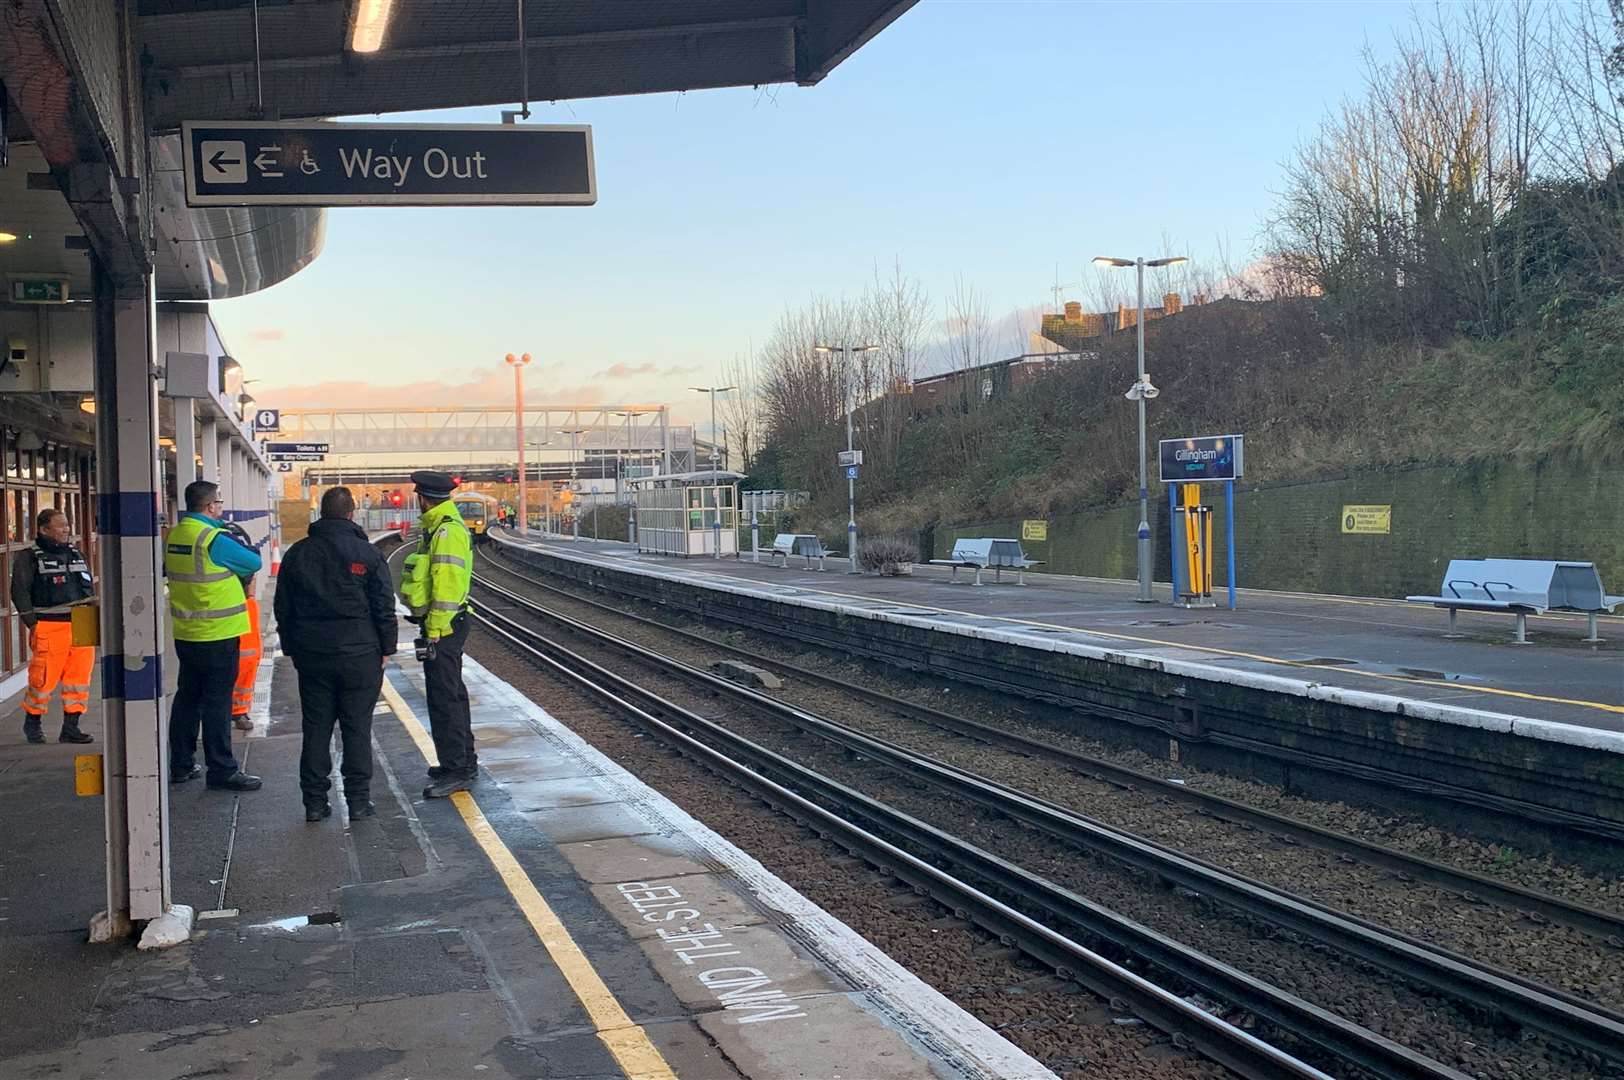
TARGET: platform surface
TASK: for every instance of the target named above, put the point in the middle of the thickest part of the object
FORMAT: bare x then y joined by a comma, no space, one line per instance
496,935
1378,646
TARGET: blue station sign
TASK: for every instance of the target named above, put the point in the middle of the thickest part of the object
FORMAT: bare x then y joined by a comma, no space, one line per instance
255,163
1206,457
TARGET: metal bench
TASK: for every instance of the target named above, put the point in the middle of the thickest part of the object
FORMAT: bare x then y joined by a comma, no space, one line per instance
806,545
1522,587
987,553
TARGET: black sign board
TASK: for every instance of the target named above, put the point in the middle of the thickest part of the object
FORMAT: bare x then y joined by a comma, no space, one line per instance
298,457
275,448
1207,457
253,163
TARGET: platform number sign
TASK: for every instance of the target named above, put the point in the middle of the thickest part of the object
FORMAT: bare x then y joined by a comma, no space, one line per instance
283,466
851,472
268,420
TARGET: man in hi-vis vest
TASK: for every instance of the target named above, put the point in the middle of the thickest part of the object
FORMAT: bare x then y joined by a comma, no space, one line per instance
209,613
434,587
47,582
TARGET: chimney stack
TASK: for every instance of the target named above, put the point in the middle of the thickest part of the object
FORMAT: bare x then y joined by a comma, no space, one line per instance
1074,311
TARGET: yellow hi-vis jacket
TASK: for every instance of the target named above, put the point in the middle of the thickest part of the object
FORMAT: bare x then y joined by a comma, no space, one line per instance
206,600
438,575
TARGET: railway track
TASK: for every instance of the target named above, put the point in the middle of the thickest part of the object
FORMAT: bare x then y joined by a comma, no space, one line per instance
1464,883
1569,1019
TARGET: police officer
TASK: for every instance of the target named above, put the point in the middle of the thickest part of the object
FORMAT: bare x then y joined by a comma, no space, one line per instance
205,567
335,614
46,582
434,587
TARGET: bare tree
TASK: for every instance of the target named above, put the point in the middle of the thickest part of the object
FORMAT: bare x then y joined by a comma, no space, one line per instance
741,409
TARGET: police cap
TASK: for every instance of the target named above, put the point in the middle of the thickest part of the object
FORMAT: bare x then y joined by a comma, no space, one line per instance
436,485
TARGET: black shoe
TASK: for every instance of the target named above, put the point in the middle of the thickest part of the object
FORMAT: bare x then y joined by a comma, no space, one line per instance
237,781
72,734
187,774
447,786
436,772
32,733
363,809
316,813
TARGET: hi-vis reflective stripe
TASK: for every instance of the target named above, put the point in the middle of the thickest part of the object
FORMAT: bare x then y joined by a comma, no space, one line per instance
446,605
216,613
454,560
199,577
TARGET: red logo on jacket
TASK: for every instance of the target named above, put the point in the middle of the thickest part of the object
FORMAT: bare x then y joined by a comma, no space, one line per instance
358,568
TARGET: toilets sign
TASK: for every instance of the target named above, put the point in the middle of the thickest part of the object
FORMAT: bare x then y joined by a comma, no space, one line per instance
251,163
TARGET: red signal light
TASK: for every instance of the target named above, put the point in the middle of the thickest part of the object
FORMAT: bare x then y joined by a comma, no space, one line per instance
394,498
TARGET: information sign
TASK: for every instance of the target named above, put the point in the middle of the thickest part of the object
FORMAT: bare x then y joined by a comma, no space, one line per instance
1034,530
275,448
283,466
268,420
1206,457
286,456
850,457
303,163
851,472
40,291
1374,519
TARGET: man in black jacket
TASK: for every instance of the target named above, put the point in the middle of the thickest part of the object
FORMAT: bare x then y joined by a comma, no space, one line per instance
335,614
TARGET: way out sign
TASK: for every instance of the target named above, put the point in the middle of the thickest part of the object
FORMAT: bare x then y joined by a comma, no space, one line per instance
252,163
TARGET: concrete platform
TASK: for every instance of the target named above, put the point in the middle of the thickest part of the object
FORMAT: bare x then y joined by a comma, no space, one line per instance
1361,644
519,932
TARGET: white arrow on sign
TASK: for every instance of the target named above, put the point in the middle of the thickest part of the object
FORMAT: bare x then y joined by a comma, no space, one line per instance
265,163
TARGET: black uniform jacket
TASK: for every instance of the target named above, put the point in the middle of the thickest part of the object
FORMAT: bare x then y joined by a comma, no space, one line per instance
334,596
48,575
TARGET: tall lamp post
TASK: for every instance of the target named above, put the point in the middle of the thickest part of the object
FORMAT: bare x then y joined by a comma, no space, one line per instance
1142,390
575,512
851,481
519,363
537,447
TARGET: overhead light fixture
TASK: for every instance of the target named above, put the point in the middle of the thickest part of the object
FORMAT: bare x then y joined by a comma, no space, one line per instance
88,405
371,19
8,238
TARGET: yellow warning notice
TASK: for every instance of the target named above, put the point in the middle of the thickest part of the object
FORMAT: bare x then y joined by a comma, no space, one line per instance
1034,530
87,774
1376,519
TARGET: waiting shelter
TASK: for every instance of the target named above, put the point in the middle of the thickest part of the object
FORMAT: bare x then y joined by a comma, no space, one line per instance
687,514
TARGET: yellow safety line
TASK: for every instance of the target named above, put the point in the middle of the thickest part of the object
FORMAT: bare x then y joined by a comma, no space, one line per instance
628,1042
1262,658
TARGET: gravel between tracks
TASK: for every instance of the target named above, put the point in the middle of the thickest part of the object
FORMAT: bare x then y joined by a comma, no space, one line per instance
1069,1031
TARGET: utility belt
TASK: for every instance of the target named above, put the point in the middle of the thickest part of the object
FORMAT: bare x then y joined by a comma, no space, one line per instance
54,616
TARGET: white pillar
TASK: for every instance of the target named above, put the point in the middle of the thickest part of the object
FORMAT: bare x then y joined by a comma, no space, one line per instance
185,445
209,446
129,477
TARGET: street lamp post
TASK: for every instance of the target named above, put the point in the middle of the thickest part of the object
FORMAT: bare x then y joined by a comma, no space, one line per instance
519,363
851,481
1140,392
575,512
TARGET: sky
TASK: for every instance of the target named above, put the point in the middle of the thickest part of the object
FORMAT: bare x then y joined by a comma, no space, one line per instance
988,140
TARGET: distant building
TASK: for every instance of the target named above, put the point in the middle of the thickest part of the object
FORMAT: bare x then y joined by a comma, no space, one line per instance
1073,329
957,389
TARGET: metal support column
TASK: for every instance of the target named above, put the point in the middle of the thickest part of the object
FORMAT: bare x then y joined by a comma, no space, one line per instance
128,482
1229,536
209,445
185,444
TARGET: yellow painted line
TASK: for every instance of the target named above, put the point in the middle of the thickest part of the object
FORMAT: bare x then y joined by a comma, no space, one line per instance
1260,657
628,1042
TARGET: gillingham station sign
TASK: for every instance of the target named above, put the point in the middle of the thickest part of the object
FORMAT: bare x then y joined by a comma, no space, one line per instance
1206,457
251,163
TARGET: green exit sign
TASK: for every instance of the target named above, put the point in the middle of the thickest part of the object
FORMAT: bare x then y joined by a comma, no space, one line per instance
40,291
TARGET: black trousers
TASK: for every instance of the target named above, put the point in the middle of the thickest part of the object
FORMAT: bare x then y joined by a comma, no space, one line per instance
341,689
448,703
208,671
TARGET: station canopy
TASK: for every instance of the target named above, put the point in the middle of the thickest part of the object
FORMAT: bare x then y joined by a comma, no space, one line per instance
435,54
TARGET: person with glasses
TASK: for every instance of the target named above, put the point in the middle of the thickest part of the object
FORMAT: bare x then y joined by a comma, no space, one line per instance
205,569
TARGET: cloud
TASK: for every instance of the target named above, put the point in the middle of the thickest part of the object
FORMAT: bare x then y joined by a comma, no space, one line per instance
267,335
650,369
484,389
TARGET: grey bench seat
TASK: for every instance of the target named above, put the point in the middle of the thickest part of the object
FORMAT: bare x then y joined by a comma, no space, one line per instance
987,553
806,545
1521,587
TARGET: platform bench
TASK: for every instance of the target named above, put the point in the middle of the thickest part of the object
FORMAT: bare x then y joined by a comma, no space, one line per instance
806,545
987,553
1521,587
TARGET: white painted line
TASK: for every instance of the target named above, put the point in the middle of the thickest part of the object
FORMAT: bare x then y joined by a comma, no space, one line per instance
915,1009
1459,715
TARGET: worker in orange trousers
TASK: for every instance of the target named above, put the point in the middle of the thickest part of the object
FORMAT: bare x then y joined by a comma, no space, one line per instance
47,582
248,646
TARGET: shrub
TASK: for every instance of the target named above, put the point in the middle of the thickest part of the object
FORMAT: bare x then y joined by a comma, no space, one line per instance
886,554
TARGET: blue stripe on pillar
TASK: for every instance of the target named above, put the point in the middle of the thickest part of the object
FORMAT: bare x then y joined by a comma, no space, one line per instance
127,513
145,683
